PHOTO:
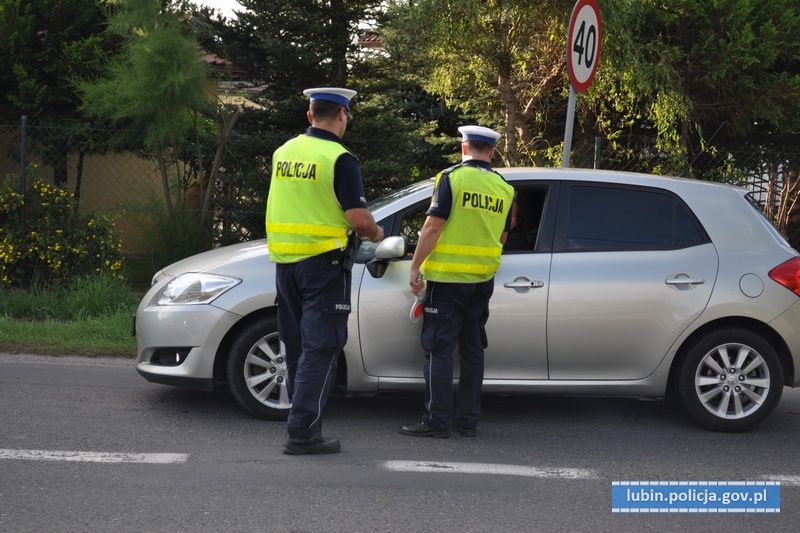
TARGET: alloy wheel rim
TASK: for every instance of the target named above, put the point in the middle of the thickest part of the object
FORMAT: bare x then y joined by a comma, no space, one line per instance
266,374
732,381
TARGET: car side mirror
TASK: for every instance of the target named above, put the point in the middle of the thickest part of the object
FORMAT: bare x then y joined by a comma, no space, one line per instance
392,248
389,249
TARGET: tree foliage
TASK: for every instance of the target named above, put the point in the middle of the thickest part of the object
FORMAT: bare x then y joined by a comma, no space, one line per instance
671,74
290,46
158,85
678,75
676,81
45,43
500,61
313,43
156,81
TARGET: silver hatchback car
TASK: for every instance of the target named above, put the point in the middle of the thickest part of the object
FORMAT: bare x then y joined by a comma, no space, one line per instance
630,285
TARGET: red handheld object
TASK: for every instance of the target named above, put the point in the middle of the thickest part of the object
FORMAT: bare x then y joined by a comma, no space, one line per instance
416,309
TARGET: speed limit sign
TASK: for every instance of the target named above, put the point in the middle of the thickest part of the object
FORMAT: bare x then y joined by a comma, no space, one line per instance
583,43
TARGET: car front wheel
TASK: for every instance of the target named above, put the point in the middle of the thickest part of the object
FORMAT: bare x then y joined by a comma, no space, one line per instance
257,374
730,380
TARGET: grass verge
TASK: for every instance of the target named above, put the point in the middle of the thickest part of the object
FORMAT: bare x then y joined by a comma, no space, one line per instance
91,318
106,336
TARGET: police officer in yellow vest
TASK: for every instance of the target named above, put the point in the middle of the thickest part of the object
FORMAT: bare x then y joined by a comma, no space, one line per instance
458,253
316,196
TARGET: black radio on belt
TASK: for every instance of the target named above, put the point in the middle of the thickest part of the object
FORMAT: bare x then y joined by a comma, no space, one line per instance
347,255
350,252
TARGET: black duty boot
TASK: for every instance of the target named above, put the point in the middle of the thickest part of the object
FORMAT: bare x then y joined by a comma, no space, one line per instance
465,430
315,444
423,429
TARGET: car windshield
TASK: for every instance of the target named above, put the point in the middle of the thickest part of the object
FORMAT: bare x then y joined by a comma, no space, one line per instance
376,204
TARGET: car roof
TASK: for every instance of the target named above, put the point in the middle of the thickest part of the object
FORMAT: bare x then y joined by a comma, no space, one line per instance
689,189
700,196
513,174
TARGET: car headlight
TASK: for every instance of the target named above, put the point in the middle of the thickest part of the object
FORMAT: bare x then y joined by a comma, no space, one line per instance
195,288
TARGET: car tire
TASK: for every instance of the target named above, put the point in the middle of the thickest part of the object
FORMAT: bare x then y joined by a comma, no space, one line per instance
257,374
730,380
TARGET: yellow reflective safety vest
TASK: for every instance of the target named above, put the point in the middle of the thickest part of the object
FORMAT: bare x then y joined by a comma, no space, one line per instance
304,218
469,247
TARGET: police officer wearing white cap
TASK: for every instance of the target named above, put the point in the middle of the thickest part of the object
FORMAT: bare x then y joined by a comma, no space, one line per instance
316,202
458,252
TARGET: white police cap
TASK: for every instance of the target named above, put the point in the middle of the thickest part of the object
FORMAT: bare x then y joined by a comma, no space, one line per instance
334,94
478,133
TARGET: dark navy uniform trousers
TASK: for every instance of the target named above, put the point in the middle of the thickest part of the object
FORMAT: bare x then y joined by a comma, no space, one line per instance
313,307
454,314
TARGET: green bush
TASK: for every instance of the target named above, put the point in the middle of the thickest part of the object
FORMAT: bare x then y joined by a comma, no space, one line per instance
163,240
53,244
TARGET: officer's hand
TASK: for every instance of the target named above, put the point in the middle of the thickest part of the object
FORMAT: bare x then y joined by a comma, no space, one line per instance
416,282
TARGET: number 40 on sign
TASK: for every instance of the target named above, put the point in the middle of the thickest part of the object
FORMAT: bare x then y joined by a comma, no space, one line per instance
583,43
583,54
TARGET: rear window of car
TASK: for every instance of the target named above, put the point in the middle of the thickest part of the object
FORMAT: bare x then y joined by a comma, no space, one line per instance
619,218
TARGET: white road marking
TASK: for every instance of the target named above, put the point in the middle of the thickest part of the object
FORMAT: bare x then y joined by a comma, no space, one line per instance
94,457
492,469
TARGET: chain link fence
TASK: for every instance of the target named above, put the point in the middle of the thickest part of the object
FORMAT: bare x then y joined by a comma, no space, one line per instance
161,202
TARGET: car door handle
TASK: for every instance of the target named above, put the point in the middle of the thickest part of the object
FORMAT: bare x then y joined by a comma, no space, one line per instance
683,280
523,284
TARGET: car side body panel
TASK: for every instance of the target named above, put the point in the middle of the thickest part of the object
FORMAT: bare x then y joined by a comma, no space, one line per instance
613,315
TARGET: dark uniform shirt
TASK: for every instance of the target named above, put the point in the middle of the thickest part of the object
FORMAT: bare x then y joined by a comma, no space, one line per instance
347,183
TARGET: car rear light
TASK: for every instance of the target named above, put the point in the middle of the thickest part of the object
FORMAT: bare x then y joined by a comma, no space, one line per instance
788,274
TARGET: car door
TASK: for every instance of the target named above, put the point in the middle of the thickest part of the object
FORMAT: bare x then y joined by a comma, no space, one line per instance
517,326
631,269
390,341
516,330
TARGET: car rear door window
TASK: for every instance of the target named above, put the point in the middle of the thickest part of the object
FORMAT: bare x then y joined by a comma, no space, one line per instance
619,218
687,232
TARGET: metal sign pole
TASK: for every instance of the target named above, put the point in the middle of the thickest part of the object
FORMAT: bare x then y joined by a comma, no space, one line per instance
568,128
584,37
23,166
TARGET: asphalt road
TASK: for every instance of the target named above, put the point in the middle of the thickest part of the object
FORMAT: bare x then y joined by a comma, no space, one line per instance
89,445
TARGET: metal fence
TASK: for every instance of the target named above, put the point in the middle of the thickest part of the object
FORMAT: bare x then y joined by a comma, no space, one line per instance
110,174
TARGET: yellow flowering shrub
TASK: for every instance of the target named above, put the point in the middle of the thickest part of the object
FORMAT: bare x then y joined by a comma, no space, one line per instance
51,242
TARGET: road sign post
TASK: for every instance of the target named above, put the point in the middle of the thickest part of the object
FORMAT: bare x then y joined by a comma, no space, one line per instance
584,37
